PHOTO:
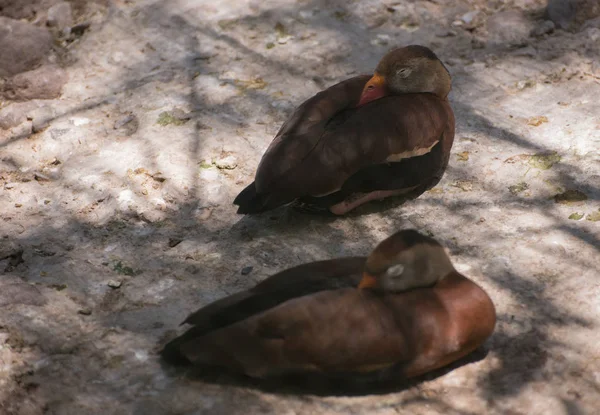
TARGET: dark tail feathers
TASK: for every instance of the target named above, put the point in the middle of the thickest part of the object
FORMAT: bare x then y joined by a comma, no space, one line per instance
171,353
250,202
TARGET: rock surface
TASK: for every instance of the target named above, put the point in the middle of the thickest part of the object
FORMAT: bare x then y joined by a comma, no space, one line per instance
116,200
60,16
23,46
42,83
509,27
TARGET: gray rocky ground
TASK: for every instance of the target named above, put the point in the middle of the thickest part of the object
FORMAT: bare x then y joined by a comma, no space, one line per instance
127,127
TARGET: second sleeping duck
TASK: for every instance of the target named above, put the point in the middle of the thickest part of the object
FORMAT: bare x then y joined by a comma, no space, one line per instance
411,313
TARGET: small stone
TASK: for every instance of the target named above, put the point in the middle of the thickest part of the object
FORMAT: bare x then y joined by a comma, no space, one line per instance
547,26
60,15
382,39
173,242
129,124
79,29
472,19
247,270
57,133
9,185
123,120
445,33
226,163
284,39
525,84
204,213
41,177
509,27
158,176
84,311
576,216
114,284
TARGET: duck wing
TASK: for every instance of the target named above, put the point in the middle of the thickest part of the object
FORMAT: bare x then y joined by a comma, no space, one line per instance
294,282
342,330
328,141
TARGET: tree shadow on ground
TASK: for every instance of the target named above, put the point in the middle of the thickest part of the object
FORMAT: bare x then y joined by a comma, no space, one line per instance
285,238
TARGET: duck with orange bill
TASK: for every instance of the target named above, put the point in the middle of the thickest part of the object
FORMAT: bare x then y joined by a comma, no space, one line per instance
403,309
366,138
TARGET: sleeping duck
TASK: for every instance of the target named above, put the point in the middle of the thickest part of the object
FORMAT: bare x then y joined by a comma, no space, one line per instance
404,309
365,138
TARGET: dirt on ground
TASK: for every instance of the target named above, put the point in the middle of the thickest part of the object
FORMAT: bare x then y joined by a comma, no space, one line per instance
128,127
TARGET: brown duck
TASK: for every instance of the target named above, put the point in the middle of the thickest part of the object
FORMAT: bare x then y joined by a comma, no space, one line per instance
411,313
366,138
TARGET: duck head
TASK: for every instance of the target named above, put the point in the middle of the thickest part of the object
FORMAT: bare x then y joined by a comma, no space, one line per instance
411,69
404,261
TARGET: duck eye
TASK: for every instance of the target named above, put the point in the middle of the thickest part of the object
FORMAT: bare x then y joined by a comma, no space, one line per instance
395,270
403,72
370,87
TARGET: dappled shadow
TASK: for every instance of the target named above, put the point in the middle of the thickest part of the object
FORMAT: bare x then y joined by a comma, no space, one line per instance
165,266
324,385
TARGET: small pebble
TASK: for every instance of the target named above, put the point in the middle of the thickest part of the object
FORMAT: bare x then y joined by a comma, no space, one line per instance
204,213
545,27
84,311
60,15
114,283
469,18
41,177
445,33
79,29
123,120
226,163
247,270
173,242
